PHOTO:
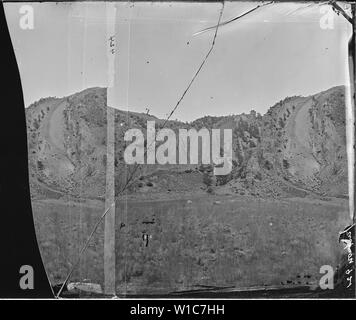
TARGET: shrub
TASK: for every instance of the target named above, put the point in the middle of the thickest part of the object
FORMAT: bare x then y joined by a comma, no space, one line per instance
207,180
222,180
285,164
252,144
210,190
281,123
258,176
268,165
40,165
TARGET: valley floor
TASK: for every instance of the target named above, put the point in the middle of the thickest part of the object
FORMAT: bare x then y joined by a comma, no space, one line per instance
208,240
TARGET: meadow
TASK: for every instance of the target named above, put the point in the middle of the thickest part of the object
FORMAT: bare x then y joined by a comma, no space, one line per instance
191,243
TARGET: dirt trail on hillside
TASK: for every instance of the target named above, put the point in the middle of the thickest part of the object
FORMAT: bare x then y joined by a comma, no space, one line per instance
53,132
300,152
58,161
301,127
55,126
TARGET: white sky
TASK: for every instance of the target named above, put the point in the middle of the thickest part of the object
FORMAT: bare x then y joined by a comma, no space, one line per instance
267,55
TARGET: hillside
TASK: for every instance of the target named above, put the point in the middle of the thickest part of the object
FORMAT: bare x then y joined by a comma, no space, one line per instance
296,149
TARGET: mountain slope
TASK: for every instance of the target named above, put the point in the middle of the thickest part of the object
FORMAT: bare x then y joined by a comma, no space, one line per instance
297,148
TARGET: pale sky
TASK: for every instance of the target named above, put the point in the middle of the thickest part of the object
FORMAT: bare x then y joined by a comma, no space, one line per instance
270,54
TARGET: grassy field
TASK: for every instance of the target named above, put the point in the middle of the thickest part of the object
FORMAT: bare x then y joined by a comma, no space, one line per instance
208,241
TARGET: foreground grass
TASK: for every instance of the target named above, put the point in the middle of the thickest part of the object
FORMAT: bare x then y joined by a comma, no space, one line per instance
208,241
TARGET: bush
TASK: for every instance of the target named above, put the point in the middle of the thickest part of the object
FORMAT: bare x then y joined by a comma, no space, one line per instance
335,169
40,165
252,144
222,180
210,190
258,176
285,164
207,180
268,165
36,124
281,123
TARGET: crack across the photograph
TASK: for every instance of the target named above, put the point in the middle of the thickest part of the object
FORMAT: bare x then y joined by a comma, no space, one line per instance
190,149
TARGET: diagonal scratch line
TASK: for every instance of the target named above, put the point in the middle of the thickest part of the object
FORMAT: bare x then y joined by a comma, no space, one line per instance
308,6
340,10
200,67
184,93
234,19
137,165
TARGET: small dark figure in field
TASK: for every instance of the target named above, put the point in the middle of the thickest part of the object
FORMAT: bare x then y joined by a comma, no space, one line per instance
145,238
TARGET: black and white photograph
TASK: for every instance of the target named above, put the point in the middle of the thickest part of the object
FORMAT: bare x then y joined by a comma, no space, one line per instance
178,150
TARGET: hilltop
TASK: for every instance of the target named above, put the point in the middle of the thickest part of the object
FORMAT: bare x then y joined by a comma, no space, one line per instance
296,149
